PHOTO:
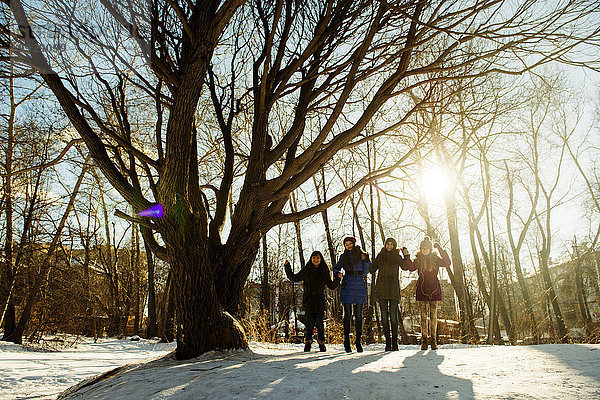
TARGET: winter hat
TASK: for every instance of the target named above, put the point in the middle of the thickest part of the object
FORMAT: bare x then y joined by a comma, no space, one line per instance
392,241
426,244
350,239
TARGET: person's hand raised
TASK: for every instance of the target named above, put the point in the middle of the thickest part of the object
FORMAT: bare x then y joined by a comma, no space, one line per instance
405,252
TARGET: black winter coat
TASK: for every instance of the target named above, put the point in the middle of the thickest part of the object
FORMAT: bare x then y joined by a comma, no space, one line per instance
387,285
315,279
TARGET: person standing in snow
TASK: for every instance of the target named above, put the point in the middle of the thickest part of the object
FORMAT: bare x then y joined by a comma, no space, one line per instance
353,294
387,288
428,290
315,275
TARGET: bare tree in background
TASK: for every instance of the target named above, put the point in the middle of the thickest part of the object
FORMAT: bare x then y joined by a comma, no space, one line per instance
540,114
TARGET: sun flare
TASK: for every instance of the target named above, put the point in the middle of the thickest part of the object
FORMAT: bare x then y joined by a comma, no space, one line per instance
434,184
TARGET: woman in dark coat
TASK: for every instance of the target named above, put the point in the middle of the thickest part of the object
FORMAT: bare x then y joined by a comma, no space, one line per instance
353,295
387,287
315,275
428,290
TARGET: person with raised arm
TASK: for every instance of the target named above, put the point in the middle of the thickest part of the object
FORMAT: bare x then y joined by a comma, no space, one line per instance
387,288
428,290
316,276
353,294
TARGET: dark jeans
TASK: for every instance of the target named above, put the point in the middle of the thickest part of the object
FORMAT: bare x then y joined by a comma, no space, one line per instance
357,319
389,309
313,319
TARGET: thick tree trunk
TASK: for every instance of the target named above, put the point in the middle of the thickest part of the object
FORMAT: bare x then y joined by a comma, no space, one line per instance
168,320
204,323
237,265
10,323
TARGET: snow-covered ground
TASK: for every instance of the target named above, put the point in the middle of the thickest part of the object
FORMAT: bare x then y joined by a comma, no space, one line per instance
27,374
284,371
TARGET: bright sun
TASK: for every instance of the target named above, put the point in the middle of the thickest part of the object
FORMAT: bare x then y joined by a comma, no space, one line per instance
434,183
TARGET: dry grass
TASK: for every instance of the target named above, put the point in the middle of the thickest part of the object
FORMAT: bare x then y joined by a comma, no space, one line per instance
259,328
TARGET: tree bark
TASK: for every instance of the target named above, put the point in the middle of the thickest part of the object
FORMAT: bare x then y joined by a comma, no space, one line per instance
168,320
265,297
7,307
205,325
152,327
137,282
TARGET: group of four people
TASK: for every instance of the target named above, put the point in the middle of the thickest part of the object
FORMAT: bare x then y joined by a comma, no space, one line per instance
351,270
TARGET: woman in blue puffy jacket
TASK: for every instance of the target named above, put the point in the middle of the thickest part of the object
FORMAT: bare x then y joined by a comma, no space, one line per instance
353,293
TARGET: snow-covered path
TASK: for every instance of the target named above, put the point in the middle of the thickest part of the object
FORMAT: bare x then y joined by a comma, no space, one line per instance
284,371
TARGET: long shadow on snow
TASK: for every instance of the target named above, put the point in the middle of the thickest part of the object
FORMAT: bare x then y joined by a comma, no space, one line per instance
576,356
371,375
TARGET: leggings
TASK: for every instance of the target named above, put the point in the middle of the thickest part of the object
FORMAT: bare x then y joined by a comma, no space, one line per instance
389,313
428,309
357,319
312,320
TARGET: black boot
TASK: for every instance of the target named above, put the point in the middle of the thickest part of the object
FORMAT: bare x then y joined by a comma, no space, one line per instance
394,343
358,336
307,345
347,347
359,347
347,332
433,343
322,345
347,335
423,342
388,345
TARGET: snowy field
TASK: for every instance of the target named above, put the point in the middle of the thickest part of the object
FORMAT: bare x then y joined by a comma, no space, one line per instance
285,372
26,374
